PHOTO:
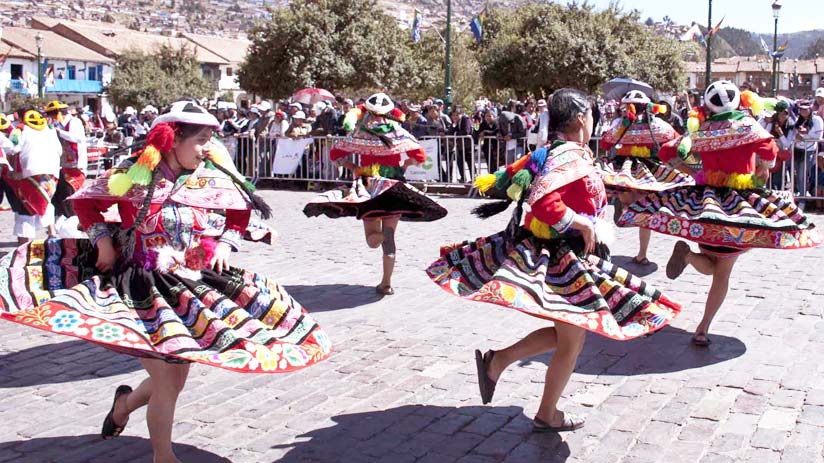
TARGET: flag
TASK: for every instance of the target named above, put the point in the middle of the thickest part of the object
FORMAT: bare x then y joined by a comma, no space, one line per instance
779,52
477,26
764,45
49,79
416,26
714,30
691,34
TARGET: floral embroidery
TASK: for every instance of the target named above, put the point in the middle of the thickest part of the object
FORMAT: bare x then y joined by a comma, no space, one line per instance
65,321
674,226
696,230
108,332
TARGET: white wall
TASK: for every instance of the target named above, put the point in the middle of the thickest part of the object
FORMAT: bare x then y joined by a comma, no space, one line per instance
227,82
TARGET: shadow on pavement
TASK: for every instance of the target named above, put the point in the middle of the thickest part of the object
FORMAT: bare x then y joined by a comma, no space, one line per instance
90,447
627,263
325,298
62,362
666,351
442,434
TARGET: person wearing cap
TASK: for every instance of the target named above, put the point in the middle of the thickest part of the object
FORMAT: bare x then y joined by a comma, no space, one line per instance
74,161
345,108
156,286
147,116
809,127
415,123
35,168
294,107
819,102
781,125
128,122
299,127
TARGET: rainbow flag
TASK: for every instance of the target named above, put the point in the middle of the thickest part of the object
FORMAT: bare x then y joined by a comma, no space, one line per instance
416,26
477,26
779,52
714,30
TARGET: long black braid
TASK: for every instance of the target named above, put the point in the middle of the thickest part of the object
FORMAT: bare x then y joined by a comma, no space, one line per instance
257,202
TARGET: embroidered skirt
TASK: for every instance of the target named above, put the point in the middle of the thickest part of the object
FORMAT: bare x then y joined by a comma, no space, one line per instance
641,174
237,320
553,280
714,216
374,198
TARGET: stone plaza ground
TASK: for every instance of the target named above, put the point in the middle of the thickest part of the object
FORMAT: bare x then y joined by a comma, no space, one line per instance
401,385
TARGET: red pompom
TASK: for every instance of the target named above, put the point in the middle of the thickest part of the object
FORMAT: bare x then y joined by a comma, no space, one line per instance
162,137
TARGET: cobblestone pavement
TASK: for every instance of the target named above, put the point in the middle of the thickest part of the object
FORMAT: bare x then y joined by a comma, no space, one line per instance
400,386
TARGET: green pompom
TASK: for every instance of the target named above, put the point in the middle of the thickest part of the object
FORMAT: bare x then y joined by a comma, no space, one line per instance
514,192
522,178
140,175
119,184
501,180
684,148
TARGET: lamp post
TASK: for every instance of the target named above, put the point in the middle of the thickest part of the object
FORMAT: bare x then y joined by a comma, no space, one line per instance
38,39
708,71
447,80
776,9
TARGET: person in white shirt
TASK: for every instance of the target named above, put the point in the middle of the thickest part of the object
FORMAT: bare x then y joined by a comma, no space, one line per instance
33,181
74,158
809,128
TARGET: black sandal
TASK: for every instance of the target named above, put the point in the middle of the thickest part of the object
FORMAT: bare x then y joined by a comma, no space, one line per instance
110,428
485,384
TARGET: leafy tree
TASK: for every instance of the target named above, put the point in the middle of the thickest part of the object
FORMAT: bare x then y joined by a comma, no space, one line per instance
337,45
158,78
538,48
814,50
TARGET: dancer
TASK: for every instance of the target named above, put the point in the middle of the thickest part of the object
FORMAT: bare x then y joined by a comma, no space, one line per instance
729,211
553,266
74,160
636,138
379,196
6,150
32,180
157,288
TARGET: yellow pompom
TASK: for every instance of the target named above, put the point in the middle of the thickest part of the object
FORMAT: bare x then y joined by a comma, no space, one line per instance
485,182
514,192
119,184
540,229
757,106
693,124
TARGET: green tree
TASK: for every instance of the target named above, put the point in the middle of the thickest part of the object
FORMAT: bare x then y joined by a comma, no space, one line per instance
158,78
339,45
538,48
814,50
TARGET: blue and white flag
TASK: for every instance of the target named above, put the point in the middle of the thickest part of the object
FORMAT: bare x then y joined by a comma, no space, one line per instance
416,26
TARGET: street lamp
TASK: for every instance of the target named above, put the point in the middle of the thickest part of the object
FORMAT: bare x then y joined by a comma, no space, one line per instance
448,59
708,71
776,9
38,39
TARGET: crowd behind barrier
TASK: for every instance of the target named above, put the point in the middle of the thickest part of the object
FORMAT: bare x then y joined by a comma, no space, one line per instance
457,160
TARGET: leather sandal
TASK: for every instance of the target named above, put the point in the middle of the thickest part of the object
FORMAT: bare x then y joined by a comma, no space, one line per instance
570,423
110,428
485,383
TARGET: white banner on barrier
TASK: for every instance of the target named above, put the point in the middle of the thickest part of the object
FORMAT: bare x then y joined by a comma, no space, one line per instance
288,155
428,170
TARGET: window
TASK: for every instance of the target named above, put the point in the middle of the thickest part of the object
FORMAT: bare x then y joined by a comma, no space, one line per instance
72,72
17,71
92,73
99,73
229,72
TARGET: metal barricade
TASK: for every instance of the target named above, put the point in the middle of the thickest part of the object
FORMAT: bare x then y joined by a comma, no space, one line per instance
801,171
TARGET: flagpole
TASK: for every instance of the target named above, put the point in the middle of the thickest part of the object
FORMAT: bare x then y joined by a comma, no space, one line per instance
447,59
708,72
775,50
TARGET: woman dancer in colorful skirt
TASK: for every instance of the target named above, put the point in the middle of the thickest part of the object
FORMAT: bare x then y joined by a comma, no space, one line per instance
729,211
553,266
378,150
155,287
636,170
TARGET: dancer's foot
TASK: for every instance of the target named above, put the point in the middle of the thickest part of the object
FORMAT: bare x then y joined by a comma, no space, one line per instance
561,422
117,418
678,260
700,340
640,260
384,290
485,382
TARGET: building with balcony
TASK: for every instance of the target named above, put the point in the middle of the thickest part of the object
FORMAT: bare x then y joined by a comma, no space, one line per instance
796,78
234,52
71,72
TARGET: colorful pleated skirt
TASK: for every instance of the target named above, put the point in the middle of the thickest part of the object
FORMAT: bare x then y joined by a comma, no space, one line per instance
237,320
553,280
715,216
641,175
375,198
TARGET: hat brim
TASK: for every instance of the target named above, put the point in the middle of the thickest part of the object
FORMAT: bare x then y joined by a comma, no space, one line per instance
204,119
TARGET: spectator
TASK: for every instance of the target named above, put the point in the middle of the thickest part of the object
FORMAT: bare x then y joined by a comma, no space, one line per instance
819,102
128,121
279,125
512,132
808,132
299,128
345,108
415,123
461,127
294,107
782,127
113,135
486,138
671,118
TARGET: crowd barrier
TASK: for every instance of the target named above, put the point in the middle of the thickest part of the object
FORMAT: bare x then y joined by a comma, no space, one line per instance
457,160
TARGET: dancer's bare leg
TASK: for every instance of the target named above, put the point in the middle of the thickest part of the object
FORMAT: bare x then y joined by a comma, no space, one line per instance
718,292
570,343
373,231
535,343
390,225
168,380
644,236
